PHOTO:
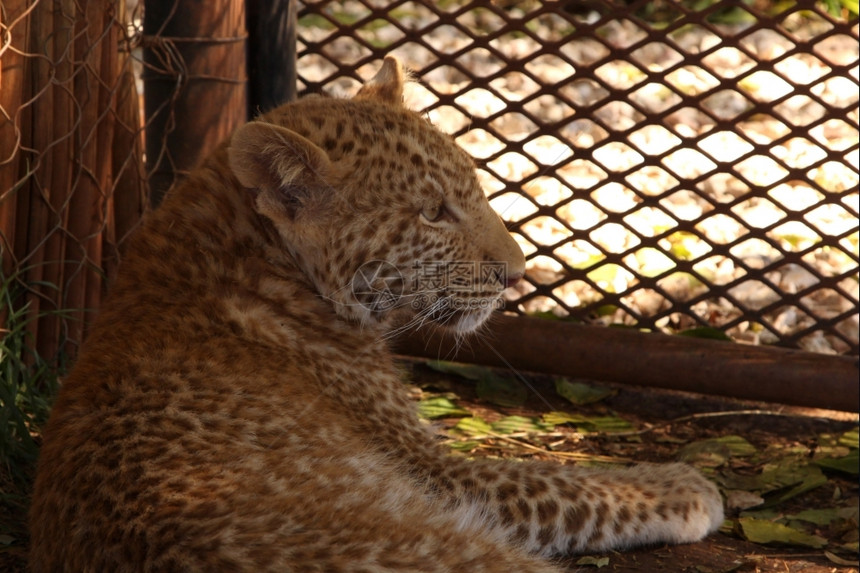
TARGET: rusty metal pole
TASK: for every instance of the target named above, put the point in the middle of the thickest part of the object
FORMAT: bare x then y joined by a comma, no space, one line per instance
271,53
658,360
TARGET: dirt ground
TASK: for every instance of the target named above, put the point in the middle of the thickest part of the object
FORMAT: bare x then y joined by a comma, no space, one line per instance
663,423
643,425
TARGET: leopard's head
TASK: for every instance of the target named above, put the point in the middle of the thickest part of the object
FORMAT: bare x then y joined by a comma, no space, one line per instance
383,212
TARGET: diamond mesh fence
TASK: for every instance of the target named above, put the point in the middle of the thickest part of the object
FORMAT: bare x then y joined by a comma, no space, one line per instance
672,166
72,184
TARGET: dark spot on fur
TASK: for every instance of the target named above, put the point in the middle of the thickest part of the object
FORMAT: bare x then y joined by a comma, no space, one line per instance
506,491
547,511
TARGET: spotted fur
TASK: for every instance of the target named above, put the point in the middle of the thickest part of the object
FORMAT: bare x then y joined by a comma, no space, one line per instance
236,408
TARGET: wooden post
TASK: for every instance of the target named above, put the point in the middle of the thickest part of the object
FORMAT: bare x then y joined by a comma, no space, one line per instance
195,83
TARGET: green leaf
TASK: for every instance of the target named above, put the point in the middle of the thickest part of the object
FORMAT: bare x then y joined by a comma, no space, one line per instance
580,393
777,484
737,445
799,479
606,424
512,424
593,561
681,242
728,527
605,275
465,447
501,390
849,464
826,516
492,387
850,439
607,310
474,426
610,424
852,546
440,407
772,533
589,261
559,418
782,479
715,452
468,371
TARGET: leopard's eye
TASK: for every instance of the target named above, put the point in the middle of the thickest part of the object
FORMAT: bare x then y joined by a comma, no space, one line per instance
434,213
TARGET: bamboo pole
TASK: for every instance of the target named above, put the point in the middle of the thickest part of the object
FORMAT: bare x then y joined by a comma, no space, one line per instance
12,86
59,183
42,120
86,207
674,362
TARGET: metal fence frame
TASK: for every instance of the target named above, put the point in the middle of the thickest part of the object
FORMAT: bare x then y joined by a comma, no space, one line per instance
324,26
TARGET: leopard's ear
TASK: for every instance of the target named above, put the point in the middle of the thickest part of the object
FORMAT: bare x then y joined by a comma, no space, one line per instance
387,85
285,168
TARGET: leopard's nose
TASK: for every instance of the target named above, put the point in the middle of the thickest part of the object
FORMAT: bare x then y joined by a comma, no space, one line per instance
511,280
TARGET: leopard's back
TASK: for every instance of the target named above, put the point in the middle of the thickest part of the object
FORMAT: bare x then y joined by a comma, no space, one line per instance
236,407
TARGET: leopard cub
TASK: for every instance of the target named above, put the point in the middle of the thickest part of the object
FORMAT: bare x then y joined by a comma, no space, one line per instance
236,406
